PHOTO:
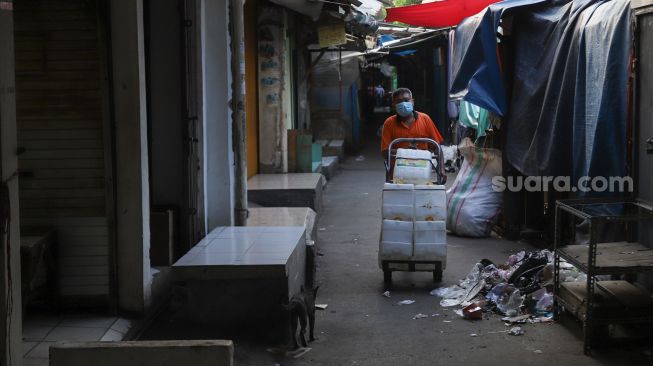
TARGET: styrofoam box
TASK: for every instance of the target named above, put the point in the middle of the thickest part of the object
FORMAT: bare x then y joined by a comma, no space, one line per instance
430,239
398,202
430,203
397,239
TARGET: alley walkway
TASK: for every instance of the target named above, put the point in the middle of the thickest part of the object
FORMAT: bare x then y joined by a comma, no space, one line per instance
362,327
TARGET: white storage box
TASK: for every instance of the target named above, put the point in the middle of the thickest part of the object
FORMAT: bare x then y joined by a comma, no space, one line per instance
430,239
398,202
430,203
412,166
396,239
416,154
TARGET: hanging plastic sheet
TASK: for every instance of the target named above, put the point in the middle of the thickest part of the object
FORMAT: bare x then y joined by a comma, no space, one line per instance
475,65
475,117
386,38
439,14
569,108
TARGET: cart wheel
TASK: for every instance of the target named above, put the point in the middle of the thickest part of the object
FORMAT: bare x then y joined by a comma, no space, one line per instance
437,276
387,276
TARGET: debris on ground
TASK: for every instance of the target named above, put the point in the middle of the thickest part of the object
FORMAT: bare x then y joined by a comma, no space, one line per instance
463,292
321,306
522,319
473,335
406,302
520,289
360,158
516,331
420,316
473,311
387,294
538,351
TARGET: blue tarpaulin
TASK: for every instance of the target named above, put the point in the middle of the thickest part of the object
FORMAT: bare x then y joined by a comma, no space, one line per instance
475,65
385,38
568,111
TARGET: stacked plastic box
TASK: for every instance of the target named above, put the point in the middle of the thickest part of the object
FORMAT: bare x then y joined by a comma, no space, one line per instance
413,222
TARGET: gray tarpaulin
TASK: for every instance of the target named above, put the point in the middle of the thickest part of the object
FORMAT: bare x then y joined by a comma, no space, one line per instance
568,111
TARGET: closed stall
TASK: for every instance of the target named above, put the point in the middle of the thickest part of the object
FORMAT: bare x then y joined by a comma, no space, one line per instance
64,149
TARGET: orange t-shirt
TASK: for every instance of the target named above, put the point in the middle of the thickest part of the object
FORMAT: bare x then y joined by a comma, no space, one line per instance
422,127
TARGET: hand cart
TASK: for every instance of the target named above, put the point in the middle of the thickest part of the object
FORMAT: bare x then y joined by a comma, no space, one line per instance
420,263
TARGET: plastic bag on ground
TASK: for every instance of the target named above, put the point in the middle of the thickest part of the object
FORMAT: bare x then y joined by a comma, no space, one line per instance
473,276
545,303
470,293
450,292
510,302
473,206
468,288
497,291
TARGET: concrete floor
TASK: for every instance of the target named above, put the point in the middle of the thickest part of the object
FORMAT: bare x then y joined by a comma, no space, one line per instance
361,327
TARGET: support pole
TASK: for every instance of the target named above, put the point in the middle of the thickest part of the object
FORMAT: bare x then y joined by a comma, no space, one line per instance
10,295
236,21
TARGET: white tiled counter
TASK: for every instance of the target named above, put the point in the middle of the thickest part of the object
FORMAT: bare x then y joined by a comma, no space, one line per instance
242,274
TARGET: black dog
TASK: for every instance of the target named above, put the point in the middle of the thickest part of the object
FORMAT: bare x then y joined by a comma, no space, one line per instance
302,312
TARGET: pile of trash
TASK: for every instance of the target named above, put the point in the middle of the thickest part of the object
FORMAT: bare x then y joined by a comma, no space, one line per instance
521,288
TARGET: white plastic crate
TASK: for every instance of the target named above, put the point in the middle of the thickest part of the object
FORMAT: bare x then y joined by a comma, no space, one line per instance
430,203
396,239
412,166
430,239
398,202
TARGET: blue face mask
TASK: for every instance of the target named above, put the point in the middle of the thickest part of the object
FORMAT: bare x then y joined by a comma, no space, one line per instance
404,109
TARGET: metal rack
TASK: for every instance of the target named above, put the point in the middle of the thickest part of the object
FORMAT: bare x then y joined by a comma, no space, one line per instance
613,246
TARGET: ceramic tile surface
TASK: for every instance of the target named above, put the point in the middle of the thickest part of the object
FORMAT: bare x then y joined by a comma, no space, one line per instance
112,336
75,334
122,325
284,181
277,216
42,350
36,333
233,246
40,331
28,346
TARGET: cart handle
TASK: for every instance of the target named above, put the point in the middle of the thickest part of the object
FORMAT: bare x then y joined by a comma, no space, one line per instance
442,177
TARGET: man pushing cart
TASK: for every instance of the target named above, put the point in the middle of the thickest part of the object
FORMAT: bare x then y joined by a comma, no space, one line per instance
413,233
